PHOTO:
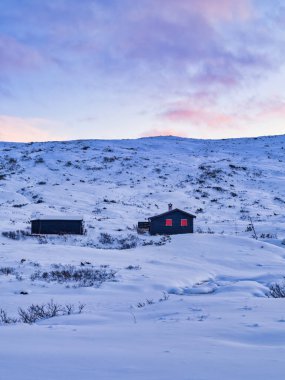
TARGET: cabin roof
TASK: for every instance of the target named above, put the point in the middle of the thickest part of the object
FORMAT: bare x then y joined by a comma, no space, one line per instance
58,217
171,211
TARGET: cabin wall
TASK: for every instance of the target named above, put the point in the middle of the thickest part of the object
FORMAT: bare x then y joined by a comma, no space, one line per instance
157,225
57,227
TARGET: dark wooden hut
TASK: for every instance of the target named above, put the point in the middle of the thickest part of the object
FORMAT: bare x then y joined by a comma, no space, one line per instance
57,225
174,221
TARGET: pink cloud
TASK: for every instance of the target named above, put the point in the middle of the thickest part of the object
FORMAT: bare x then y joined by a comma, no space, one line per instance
199,116
201,120
16,129
214,10
227,10
182,38
14,54
272,109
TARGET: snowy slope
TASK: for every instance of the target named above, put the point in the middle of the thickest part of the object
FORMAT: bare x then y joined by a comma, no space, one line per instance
216,321
190,307
116,183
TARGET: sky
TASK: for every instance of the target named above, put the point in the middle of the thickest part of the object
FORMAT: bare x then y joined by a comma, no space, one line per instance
111,69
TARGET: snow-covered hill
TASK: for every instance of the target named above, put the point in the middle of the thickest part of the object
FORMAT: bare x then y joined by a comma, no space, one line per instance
116,183
189,307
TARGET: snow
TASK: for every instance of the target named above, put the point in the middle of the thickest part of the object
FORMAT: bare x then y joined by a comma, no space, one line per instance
191,307
58,217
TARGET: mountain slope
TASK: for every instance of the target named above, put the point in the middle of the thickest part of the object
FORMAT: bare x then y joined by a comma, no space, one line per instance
208,305
116,183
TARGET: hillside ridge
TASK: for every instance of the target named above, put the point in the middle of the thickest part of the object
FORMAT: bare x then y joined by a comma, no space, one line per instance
115,183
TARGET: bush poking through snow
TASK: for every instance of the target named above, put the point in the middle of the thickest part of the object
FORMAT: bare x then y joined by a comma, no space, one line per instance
165,297
199,230
105,238
15,235
5,319
126,242
82,277
268,236
148,301
108,159
39,160
277,290
131,241
35,313
133,267
7,270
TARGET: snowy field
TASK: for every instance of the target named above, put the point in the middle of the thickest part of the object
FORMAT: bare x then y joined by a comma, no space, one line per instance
189,307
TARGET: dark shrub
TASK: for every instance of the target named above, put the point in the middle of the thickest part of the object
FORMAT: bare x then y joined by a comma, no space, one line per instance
81,277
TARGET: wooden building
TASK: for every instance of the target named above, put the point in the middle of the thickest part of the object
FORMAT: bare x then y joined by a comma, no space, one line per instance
57,225
174,221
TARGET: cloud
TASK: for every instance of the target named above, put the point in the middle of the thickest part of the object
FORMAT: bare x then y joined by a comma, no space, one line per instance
182,38
122,37
222,10
15,55
198,117
211,10
272,109
16,129
111,54
205,120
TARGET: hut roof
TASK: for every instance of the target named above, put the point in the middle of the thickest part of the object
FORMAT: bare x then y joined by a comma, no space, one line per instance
171,211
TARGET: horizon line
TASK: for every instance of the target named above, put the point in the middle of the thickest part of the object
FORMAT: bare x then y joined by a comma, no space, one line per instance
143,138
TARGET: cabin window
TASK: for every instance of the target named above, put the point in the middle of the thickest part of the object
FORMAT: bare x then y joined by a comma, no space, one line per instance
184,222
168,222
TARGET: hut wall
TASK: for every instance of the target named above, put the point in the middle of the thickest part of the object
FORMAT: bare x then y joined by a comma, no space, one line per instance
158,224
57,227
